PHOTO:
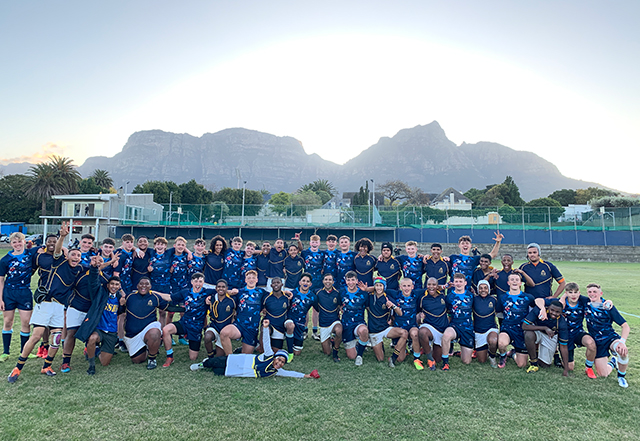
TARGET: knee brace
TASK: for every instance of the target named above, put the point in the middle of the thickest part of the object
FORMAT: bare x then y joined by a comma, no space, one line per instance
621,360
56,338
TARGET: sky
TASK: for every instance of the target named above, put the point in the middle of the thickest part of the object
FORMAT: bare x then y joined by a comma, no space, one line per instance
559,79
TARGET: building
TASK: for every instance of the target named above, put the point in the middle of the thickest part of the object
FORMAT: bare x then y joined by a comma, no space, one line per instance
100,214
451,199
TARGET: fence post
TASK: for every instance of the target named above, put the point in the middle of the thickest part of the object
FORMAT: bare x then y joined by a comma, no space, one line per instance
575,225
524,235
550,233
633,240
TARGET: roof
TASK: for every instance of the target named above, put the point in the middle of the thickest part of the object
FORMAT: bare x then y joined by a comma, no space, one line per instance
445,196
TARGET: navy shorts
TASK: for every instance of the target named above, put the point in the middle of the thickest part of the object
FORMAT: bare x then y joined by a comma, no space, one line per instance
517,338
576,341
602,347
17,298
249,335
465,337
192,333
348,331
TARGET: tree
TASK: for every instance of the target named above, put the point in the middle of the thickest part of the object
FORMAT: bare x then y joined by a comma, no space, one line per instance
43,183
193,193
585,196
160,191
102,178
395,191
615,202
89,186
564,196
510,193
15,205
475,195
539,210
280,202
418,197
362,197
233,198
67,174
320,185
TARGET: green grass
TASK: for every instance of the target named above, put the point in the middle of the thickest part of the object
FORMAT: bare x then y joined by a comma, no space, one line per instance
128,402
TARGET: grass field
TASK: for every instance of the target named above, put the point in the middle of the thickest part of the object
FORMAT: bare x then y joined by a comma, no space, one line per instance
370,402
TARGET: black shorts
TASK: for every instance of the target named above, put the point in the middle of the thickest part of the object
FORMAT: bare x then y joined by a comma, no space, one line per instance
108,341
465,337
194,337
576,341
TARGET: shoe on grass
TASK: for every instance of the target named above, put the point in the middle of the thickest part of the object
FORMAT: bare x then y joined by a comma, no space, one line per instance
431,364
65,368
590,373
4,358
91,370
196,366
622,381
532,369
493,362
152,364
358,360
48,371
168,362
418,364
13,376
391,363
445,367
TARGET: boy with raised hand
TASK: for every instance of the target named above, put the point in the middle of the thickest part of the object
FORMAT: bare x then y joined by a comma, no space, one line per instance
43,262
262,264
412,264
433,320
542,273
328,303
405,318
379,308
277,255
484,324
364,263
355,332
249,301
16,268
267,364
574,311
302,299
389,267
465,263
233,264
222,310
460,305
276,305
515,306
542,337
293,267
436,266
344,262
100,325
600,326
50,312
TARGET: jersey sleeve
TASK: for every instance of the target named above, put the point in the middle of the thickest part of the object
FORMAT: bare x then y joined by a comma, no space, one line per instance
292,374
531,318
616,317
178,296
532,300
555,272
3,267
563,331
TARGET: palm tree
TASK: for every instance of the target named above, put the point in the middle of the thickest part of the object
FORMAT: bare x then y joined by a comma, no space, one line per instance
67,173
43,183
319,185
102,178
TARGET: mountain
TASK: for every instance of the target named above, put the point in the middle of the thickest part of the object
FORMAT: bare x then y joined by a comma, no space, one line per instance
15,168
421,156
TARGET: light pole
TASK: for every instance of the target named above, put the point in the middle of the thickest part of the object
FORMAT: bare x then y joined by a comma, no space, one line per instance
244,185
373,202
170,200
126,190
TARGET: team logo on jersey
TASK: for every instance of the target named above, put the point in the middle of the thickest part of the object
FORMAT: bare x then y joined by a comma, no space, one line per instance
335,300
228,308
490,304
392,266
150,303
543,273
368,263
299,263
284,305
442,301
384,306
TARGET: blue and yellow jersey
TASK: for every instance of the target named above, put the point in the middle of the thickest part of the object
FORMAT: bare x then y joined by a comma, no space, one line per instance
276,308
141,311
542,274
558,326
435,311
379,314
391,270
439,270
328,305
484,313
600,322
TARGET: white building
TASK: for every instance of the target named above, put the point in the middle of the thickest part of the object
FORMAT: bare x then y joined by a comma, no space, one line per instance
451,199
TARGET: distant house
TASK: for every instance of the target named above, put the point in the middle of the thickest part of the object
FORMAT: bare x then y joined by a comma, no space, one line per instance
96,213
451,199
348,195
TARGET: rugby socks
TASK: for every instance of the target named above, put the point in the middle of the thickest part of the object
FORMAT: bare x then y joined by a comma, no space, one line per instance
45,346
335,352
92,362
416,355
209,354
48,362
153,356
621,374
429,356
24,338
360,347
169,353
395,354
533,362
289,338
21,361
66,358
588,364
314,329
445,360
492,354
6,340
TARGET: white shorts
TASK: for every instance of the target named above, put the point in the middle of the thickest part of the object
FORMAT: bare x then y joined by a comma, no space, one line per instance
74,318
437,335
325,333
216,334
377,338
547,346
135,343
276,335
481,339
49,314
352,344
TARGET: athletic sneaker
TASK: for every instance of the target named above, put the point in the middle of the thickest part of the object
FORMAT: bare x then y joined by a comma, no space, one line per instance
3,358
91,370
358,360
123,347
316,336
44,353
196,366
48,372
289,358
336,359
418,364
590,373
39,353
168,362
152,364
532,369
64,368
473,354
13,376
445,367
391,363
183,341
455,354
622,381
431,364
32,356
503,362
493,362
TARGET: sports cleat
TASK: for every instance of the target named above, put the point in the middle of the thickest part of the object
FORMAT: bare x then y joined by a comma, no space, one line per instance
316,336
445,367
336,359
590,373
531,369
3,358
431,364
622,381
44,354
48,371
123,347
358,360
418,364
152,364
168,362
183,341
32,356
196,366
39,353
503,362
493,362
473,354
391,363
289,358
557,362
64,368
91,370
455,354
13,376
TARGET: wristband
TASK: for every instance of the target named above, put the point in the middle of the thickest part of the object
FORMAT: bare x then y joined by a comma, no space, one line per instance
623,340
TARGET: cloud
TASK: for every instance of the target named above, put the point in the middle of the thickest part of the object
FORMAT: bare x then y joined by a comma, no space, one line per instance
46,151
